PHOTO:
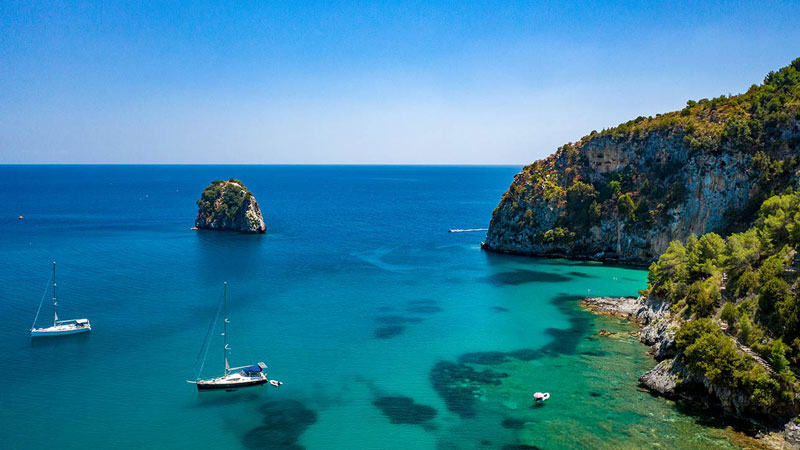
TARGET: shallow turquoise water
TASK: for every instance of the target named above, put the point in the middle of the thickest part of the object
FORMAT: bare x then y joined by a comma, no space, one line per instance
356,293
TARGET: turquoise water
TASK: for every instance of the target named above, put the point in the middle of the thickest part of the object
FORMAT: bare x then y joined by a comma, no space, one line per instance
355,294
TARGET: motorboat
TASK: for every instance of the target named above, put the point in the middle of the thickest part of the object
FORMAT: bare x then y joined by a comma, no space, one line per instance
540,397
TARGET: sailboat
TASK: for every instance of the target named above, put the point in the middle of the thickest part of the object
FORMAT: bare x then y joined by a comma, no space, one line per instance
233,377
60,327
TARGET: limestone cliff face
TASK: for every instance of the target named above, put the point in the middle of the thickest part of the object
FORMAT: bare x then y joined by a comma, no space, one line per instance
228,205
623,194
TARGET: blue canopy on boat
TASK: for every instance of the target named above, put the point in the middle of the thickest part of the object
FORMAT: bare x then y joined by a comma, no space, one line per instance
251,369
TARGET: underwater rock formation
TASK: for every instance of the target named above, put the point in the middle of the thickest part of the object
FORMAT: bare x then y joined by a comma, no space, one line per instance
403,410
388,331
283,423
460,385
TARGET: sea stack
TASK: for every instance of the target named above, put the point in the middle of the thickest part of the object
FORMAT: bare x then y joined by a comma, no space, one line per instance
229,206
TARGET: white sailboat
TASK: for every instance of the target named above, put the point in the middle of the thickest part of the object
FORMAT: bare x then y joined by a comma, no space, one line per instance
60,327
233,377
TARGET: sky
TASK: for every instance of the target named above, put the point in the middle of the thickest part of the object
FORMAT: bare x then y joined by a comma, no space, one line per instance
381,82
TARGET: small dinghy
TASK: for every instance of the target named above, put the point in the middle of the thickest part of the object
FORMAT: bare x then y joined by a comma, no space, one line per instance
539,397
60,327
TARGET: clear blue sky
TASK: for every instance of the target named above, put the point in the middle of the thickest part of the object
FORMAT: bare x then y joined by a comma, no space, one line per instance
361,82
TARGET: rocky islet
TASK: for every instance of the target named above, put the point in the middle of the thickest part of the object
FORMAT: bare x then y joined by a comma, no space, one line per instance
229,206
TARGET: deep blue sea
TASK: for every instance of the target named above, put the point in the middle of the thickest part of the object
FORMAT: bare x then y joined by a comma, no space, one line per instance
375,318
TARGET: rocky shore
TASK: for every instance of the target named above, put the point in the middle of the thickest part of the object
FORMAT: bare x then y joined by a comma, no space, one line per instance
670,378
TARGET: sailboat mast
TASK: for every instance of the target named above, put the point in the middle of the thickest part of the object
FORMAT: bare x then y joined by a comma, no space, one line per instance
225,327
55,304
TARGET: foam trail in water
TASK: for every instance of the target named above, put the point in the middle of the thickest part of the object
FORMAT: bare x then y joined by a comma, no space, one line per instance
459,230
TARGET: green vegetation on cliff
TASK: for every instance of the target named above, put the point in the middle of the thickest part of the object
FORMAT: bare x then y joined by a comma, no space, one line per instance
624,193
232,193
748,285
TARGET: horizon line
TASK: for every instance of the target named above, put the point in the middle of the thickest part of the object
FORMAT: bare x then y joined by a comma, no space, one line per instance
270,164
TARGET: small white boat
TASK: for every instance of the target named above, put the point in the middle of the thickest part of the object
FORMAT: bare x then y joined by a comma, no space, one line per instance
60,327
232,377
540,396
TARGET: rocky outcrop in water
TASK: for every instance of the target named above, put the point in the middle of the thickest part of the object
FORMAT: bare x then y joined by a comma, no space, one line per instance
228,205
624,193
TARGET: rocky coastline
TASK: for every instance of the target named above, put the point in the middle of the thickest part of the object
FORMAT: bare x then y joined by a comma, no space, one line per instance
670,378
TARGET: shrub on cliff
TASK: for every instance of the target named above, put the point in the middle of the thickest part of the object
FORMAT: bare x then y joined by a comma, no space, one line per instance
729,314
580,205
703,297
625,206
707,351
668,271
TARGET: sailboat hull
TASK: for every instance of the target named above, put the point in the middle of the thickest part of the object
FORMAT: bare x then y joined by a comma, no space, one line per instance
58,331
229,386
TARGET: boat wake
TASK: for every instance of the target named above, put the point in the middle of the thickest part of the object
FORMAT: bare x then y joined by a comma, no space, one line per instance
459,230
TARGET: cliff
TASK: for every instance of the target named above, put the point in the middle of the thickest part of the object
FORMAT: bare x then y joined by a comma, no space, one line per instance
228,205
722,317
624,193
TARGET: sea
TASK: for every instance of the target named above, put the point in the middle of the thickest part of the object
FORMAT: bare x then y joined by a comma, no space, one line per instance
386,330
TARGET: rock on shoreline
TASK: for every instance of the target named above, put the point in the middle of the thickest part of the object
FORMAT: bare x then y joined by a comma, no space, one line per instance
228,205
641,310
657,331
662,379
